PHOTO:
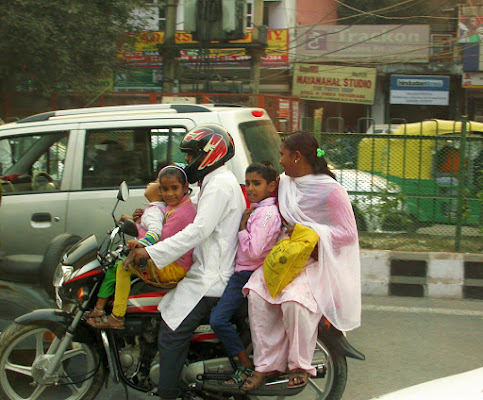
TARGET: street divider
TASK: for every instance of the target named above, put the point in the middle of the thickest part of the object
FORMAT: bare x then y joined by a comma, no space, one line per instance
419,274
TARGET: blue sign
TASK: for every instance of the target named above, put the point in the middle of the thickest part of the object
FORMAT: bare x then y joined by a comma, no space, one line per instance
420,90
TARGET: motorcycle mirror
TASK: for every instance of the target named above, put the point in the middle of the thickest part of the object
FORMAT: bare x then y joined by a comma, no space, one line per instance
129,228
123,193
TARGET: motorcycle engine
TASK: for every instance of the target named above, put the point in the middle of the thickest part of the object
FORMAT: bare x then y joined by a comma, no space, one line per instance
129,356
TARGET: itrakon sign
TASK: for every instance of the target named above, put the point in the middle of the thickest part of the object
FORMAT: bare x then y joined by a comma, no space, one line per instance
363,42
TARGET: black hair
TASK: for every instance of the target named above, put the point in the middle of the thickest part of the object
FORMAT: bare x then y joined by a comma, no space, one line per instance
173,170
265,169
307,145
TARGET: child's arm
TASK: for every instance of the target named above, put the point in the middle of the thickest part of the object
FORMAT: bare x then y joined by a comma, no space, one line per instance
153,222
264,228
245,216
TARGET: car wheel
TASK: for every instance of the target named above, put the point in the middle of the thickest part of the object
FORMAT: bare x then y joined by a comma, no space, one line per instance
52,257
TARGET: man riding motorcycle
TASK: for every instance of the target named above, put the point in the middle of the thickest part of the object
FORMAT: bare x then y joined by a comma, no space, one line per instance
213,235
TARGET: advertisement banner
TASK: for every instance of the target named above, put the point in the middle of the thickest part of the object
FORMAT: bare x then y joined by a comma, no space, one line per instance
473,80
334,83
420,90
145,52
470,33
405,43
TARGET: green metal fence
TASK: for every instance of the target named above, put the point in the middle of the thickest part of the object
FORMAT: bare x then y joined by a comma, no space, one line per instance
419,178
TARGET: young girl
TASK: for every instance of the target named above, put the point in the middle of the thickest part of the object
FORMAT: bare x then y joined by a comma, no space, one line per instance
180,212
259,229
149,231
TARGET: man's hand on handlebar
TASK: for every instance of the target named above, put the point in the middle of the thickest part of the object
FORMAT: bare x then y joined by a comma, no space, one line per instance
135,256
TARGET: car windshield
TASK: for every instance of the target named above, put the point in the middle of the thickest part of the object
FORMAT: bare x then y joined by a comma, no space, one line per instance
263,141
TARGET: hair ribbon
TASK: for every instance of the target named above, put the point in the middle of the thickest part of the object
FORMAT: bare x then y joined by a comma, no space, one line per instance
320,152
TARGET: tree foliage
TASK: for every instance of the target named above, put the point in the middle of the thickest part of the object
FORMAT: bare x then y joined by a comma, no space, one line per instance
58,45
351,12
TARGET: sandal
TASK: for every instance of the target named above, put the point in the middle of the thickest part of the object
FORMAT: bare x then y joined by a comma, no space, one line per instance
94,313
257,380
298,378
110,322
239,377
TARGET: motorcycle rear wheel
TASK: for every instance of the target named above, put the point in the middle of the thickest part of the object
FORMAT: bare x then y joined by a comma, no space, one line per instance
330,386
22,360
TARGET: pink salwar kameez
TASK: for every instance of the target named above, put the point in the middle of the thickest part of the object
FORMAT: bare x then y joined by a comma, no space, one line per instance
284,328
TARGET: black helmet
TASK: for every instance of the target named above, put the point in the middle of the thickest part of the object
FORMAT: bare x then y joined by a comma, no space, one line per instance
211,146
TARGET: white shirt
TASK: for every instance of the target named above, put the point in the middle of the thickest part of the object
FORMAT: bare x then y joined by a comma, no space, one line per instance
213,235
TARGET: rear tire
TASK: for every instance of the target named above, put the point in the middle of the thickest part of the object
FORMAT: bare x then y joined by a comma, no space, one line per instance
332,385
22,357
52,258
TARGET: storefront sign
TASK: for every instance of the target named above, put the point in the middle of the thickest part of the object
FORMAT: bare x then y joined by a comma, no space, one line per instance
138,80
334,83
409,43
146,52
419,90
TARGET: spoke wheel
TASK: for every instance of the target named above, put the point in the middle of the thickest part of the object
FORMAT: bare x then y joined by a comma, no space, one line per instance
25,352
331,386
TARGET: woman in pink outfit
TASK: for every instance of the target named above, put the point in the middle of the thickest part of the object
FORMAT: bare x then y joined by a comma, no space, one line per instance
284,328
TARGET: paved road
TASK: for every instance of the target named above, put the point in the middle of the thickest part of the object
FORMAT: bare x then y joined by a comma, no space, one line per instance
406,341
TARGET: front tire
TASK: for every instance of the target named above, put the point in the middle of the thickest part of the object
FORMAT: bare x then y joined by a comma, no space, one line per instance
53,257
24,357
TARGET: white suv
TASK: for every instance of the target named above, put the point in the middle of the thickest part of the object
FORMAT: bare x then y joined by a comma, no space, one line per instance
67,166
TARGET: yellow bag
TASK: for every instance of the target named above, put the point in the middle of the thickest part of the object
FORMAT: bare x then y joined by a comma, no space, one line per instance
288,257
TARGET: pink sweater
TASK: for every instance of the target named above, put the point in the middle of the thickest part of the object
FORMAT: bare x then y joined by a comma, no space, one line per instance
260,235
176,219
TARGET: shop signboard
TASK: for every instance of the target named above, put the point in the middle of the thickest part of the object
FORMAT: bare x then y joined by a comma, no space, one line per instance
403,43
473,80
138,80
145,52
420,90
334,83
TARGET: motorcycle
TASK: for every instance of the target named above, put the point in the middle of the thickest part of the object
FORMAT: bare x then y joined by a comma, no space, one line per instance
54,353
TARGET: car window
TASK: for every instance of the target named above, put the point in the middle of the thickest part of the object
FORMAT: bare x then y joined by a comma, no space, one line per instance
134,155
37,162
263,141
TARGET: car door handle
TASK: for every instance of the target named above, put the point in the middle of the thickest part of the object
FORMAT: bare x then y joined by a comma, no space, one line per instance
41,217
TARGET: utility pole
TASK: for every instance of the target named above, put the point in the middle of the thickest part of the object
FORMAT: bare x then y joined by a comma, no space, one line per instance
169,54
256,53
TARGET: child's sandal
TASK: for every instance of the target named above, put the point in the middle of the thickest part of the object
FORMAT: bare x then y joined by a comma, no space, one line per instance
239,377
94,313
110,322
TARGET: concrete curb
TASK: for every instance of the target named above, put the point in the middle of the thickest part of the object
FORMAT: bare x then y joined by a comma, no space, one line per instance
418,274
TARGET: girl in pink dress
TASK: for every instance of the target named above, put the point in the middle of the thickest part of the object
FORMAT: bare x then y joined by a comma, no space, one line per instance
284,328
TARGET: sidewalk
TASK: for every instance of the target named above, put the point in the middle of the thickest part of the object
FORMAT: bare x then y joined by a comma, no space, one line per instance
419,274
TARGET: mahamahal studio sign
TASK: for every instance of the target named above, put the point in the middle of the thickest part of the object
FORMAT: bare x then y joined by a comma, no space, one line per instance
334,83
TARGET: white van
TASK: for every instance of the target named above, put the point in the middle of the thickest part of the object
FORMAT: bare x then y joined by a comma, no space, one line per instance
67,166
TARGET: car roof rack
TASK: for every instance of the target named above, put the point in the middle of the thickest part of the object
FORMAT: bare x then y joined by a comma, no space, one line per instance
112,110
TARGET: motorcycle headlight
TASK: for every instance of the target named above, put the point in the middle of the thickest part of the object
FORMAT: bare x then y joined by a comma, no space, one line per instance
58,299
61,274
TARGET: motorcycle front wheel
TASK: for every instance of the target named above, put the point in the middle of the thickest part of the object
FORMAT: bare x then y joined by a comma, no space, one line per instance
25,357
